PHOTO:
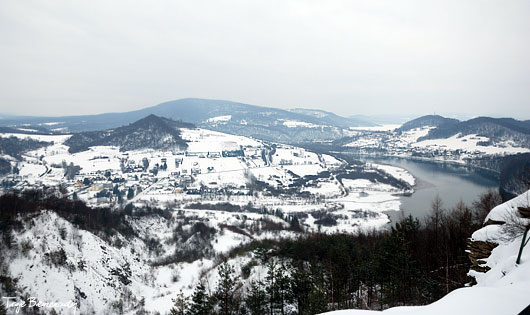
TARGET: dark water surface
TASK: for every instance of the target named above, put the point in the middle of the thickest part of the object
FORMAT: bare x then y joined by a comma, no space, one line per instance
451,182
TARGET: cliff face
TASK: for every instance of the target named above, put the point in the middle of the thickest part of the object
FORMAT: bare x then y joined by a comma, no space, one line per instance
503,227
477,252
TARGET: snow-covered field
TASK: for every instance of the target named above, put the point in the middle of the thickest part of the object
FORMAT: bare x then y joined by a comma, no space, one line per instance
470,143
456,148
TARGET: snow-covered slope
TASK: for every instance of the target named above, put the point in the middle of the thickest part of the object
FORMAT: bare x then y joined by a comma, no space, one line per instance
219,192
503,289
217,167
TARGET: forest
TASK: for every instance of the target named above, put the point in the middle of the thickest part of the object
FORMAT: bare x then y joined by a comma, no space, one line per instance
414,263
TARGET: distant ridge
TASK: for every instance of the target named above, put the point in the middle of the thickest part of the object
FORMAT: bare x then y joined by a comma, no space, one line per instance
429,120
150,132
333,118
498,130
266,123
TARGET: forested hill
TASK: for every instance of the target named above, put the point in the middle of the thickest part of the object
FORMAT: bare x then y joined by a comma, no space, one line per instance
150,132
266,123
429,120
498,130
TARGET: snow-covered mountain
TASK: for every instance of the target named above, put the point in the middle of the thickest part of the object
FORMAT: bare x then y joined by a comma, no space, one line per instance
266,123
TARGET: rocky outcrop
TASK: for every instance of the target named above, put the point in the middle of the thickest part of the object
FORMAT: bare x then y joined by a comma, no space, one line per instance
497,230
477,252
494,222
524,212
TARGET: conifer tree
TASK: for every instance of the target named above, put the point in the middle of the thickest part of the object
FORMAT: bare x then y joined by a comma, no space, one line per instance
201,303
317,302
180,304
278,287
227,289
130,193
256,299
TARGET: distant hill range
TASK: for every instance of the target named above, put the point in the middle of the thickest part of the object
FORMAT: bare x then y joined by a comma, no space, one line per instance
428,120
150,132
498,130
332,119
266,123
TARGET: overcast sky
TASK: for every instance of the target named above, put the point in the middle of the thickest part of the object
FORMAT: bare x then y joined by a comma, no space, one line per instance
349,57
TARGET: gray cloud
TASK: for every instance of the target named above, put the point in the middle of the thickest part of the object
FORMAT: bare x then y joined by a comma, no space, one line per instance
350,57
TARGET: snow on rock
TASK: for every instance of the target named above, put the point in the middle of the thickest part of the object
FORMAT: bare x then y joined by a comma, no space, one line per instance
506,210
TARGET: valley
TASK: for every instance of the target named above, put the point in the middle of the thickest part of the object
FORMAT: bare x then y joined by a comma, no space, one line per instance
175,202
220,168
264,157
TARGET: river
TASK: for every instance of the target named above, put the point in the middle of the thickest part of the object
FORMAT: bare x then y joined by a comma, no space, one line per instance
452,182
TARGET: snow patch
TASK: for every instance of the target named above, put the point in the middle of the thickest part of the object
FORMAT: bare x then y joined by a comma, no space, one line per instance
219,118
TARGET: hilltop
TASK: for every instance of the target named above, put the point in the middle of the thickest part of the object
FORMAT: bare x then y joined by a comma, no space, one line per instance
429,120
151,132
498,130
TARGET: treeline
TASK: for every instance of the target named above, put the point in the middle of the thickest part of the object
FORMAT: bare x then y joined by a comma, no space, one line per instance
15,146
5,166
150,132
96,220
77,212
413,263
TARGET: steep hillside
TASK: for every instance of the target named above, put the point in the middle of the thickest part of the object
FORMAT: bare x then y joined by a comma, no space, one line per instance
429,120
150,132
